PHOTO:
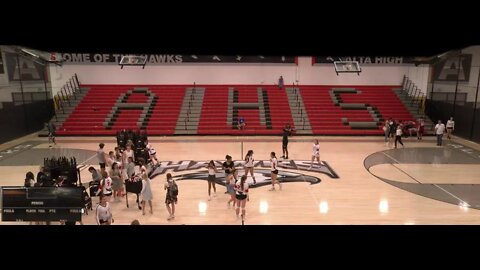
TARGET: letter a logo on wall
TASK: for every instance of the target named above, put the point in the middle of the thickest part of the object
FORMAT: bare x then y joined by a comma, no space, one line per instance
450,70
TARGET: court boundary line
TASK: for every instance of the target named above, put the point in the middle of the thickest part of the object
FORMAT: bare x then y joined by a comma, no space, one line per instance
436,185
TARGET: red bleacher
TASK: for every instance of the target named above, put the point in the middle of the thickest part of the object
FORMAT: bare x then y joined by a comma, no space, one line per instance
325,118
215,105
89,116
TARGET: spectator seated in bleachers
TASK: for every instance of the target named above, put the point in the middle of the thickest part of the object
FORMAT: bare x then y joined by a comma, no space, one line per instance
241,123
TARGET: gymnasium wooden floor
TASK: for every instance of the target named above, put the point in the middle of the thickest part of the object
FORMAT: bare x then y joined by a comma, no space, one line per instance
412,184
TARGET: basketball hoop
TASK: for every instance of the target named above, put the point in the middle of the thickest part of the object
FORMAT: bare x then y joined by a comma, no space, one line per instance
133,60
347,67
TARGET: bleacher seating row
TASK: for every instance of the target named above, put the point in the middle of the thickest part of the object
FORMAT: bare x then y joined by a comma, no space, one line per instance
89,117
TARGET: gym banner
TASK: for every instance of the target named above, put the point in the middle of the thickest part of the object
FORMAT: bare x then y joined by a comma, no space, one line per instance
29,70
453,68
365,60
160,59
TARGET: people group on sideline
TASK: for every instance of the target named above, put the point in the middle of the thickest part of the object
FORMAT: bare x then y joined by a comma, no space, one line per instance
394,130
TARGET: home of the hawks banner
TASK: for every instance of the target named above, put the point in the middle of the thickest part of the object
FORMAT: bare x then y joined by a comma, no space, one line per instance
153,59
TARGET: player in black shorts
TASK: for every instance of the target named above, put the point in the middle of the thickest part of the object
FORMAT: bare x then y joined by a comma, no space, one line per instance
287,131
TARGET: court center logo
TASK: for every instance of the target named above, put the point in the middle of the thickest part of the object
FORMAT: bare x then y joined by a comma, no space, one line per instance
262,171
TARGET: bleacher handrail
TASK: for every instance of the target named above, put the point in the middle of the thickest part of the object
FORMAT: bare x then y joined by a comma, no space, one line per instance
67,91
416,95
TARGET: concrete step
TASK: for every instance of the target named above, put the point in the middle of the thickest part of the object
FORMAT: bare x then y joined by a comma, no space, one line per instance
183,124
303,131
191,115
185,132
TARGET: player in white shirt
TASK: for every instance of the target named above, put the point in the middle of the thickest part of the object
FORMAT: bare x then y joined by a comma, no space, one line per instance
439,130
106,185
151,152
111,159
450,127
249,165
241,195
212,172
274,171
315,154
128,153
103,213
398,134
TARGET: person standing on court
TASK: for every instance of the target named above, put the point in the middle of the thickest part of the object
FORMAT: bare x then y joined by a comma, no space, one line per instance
146,192
450,127
249,165
241,195
420,128
398,134
171,198
274,171
228,166
51,132
212,171
439,130
102,157
287,131
315,154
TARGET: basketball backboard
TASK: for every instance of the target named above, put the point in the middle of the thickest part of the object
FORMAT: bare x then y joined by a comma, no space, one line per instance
347,67
133,60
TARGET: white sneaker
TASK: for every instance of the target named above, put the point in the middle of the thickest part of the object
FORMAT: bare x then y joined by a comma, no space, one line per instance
280,186
214,194
209,198
272,189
